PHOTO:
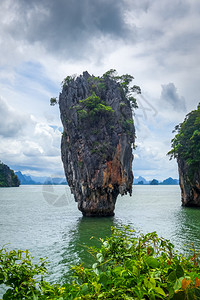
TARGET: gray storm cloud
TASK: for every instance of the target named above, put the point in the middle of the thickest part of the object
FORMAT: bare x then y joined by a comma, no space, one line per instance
71,28
170,95
11,123
66,27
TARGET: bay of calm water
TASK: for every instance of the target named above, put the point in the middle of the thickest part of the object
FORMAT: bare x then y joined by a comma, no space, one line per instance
46,221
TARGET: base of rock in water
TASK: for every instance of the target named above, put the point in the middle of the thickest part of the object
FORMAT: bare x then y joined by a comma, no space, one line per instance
189,184
98,206
98,214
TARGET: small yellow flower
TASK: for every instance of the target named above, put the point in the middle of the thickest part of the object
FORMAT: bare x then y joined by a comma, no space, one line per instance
61,289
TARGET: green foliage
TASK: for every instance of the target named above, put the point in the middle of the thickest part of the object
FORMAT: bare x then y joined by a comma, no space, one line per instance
92,107
101,85
3,179
127,125
122,104
15,179
5,174
82,113
19,274
133,102
186,143
110,74
53,101
125,81
126,266
136,89
67,80
98,85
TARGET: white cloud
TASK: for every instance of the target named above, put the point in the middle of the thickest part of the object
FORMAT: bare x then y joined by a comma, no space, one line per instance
28,144
32,149
48,138
155,120
11,123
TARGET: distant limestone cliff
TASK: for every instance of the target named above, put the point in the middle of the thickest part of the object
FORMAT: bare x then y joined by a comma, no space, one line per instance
186,149
24,179
98,138
8,177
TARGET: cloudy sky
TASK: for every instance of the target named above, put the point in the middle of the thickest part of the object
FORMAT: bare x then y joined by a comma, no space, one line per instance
41,42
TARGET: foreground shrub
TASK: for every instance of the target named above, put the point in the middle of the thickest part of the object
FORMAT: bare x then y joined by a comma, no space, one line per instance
126,267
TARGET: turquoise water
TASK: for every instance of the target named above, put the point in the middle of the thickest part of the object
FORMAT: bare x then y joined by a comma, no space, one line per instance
45,220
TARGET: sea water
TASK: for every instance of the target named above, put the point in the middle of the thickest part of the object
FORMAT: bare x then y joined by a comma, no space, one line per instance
45,220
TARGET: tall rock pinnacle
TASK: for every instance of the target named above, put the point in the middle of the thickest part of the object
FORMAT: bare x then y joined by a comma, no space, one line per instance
97,139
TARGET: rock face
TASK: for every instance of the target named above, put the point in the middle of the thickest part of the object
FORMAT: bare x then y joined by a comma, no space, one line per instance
96,142
8,177
189,181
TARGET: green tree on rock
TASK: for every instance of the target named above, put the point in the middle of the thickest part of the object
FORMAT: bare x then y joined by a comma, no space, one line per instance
186,143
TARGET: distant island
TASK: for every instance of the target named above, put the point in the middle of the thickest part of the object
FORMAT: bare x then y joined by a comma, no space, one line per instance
46,180
142,181
7,177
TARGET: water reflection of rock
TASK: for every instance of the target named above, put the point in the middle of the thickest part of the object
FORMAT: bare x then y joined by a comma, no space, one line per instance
187,229
76,251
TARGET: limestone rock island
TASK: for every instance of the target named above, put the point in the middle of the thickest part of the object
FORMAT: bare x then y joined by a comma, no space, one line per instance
186,149
97,140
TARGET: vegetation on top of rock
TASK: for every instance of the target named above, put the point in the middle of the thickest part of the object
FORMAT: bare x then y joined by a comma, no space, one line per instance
67,80
99,83
186,143
92,107
95,105
8,177
126,266
124,82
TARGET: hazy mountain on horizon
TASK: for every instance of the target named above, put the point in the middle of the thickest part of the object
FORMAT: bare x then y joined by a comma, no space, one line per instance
24,179
36,180
139,180
169,181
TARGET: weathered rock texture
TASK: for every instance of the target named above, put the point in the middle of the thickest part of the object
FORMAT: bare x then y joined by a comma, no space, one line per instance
96,145
189,181
8,177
